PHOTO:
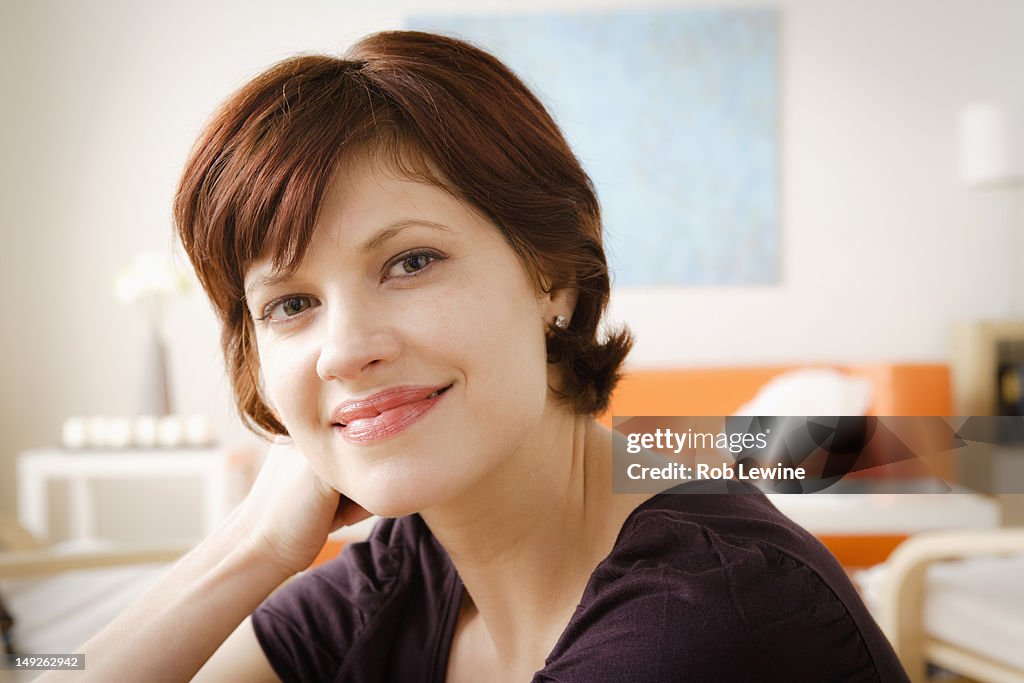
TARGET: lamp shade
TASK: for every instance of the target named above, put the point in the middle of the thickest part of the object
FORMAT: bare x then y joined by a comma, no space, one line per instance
989,146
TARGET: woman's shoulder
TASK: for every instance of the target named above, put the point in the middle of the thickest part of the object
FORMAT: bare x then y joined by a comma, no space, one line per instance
698,525
723,546
726,587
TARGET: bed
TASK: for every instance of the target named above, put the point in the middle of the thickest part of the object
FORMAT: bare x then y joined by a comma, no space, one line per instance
954,600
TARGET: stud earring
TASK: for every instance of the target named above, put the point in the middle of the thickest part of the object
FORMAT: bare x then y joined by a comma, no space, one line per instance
561,322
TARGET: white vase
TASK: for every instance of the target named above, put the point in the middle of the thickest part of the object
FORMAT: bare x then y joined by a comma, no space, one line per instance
156,391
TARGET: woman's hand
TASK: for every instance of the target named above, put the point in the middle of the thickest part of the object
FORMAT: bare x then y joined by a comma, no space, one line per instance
290,510
277,531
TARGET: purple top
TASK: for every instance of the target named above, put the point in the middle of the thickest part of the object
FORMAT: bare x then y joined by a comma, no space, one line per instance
718,587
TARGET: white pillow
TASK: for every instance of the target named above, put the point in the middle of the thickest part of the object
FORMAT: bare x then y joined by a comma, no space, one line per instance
811,391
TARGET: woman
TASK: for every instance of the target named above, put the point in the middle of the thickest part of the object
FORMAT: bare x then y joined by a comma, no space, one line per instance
406,258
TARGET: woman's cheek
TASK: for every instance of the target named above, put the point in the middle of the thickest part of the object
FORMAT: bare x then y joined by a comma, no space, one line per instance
286,383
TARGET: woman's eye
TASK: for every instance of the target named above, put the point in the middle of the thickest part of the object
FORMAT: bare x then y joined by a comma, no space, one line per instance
288,307
414,263
410,264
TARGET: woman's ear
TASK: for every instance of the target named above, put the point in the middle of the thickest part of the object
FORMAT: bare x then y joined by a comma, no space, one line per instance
561,302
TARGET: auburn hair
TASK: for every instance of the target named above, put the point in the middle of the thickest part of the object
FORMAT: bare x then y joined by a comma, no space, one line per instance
433,108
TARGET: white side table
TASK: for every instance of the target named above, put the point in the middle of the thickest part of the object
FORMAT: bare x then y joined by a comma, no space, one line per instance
217,471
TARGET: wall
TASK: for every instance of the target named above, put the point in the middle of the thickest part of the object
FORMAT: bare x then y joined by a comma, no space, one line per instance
883,246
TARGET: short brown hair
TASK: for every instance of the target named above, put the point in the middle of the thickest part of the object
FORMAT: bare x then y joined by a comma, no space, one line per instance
437,110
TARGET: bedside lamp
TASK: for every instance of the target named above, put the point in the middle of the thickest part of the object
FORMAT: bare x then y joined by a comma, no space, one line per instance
990,153
992,158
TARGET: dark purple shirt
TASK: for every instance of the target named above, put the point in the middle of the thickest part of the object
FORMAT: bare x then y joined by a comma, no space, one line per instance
698,587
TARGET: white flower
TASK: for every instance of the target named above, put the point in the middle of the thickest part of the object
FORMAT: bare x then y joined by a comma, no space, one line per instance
151,273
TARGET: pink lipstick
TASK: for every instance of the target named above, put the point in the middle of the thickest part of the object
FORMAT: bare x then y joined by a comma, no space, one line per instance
386,413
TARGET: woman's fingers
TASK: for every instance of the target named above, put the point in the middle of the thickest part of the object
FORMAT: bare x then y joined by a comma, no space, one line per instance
349,513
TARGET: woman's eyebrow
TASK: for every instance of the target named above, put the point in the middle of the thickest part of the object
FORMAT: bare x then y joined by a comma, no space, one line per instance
392,229
383,235
268,280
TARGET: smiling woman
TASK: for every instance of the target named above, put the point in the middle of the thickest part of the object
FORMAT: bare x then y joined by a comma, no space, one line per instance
406,259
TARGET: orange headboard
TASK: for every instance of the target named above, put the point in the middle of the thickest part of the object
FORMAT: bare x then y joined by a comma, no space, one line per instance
899,389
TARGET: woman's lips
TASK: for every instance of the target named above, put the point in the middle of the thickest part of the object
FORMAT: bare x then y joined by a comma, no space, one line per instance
385,414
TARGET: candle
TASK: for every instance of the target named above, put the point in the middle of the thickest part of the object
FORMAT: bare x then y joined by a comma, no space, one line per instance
73,433
145,431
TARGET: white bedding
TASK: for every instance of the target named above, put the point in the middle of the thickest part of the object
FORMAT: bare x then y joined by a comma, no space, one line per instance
56,614
977,604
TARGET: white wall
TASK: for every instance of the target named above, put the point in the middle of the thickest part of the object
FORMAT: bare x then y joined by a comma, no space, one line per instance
883,248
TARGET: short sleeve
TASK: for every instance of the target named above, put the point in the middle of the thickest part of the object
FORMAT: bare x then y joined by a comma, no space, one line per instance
310,625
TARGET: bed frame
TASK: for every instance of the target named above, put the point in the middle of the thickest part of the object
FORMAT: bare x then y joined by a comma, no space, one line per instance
903,594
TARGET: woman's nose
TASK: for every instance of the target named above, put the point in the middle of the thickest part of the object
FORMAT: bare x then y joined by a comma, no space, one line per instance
354,341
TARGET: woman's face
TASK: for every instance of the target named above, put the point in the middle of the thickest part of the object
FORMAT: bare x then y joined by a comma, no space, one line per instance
406,355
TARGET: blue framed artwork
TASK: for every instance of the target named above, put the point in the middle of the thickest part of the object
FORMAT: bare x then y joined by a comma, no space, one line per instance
675,116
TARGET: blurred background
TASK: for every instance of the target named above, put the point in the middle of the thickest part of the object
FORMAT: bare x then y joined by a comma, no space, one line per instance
892,243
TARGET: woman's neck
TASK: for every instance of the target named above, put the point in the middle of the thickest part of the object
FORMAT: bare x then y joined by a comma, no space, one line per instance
526,538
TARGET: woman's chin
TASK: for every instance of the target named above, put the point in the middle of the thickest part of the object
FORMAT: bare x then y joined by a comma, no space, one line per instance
417,499
395,503
396,488
392,509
